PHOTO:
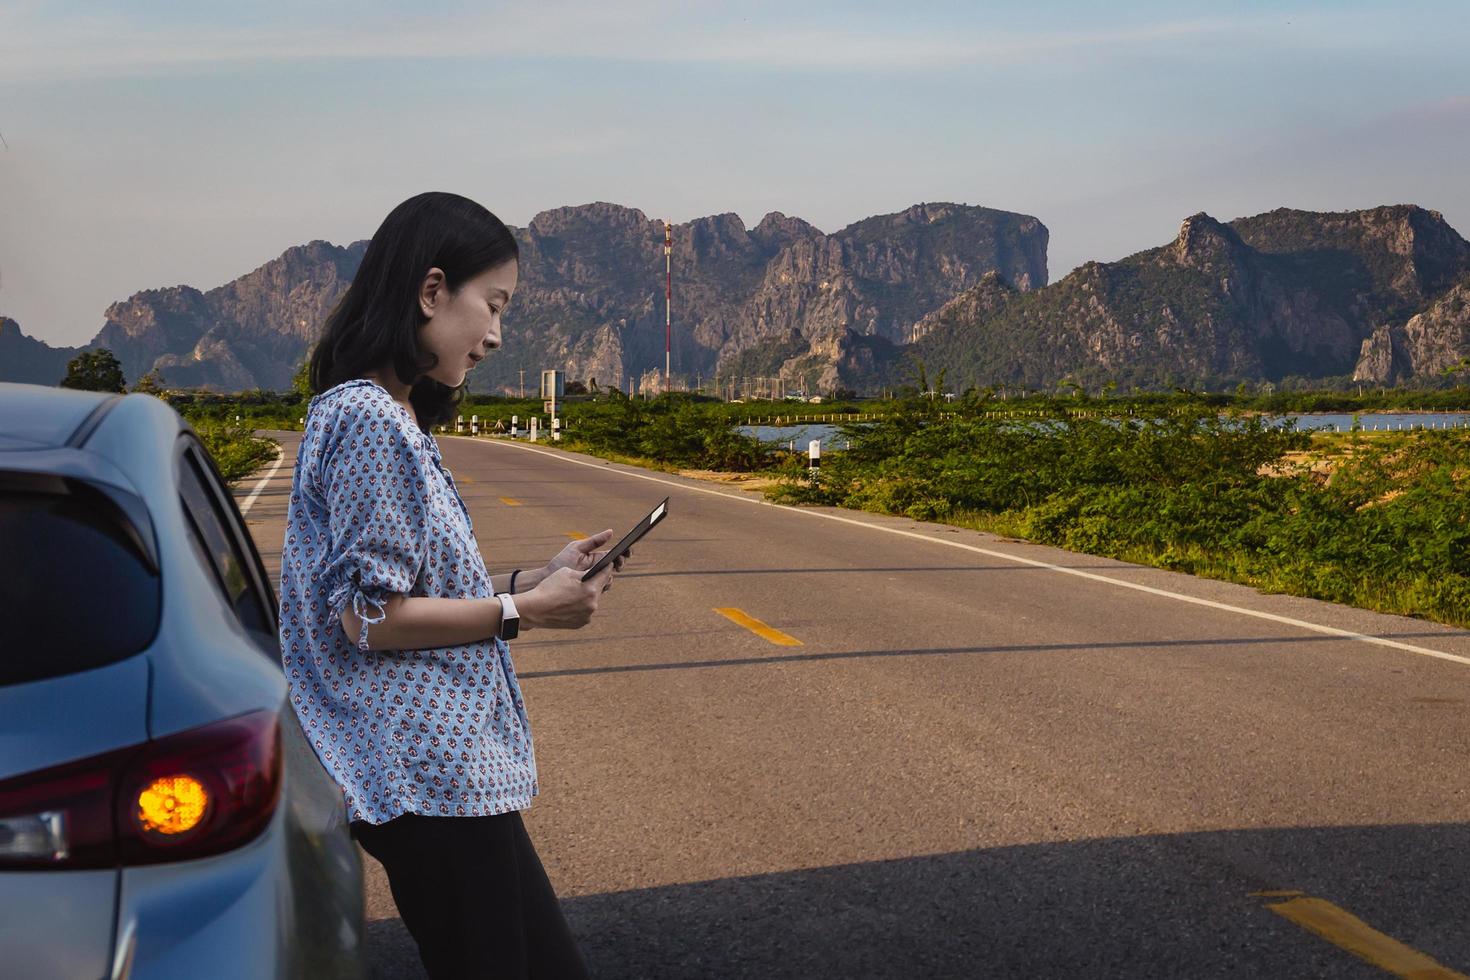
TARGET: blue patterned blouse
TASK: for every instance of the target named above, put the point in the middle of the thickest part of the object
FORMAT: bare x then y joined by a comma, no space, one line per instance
374,512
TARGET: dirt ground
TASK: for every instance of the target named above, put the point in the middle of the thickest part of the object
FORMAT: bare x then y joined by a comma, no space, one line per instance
751,482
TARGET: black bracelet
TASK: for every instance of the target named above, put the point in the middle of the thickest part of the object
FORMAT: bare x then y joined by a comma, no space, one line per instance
512,589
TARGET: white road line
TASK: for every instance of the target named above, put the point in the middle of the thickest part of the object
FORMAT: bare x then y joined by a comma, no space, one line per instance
1212,604
250,500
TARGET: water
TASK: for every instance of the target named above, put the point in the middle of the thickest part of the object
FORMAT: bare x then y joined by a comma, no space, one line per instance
1384,421
802,434
831,438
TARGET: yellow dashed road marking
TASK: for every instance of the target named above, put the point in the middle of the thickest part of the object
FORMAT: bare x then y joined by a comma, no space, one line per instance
574,535
757,627
510,501
1342,928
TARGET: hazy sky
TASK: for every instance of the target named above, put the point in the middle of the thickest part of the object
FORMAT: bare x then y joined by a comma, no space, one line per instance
158,143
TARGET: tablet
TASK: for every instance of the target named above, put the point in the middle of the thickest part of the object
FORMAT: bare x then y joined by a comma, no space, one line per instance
654,516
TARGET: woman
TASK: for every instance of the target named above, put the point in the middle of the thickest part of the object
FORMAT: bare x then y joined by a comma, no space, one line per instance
393,632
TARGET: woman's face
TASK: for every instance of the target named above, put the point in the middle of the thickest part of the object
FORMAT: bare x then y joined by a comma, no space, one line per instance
462,327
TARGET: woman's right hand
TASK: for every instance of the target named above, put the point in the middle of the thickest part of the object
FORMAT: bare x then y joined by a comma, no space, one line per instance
562,600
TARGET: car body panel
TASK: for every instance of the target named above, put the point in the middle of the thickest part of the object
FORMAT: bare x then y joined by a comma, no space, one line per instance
62,460
302,873
38,721
193,684
33,421
56,923
184,919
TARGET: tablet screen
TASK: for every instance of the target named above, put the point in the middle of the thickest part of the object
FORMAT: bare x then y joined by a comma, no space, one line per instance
641,528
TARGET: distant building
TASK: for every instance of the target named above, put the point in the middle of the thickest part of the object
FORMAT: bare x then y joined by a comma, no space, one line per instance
553,384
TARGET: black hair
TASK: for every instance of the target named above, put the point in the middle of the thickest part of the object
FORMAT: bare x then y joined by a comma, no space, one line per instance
377,320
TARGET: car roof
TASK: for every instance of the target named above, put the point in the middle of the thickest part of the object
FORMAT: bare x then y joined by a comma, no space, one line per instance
40,417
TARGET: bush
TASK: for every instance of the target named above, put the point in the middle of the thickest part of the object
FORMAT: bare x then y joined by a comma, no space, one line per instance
235,449
1187,489
673,429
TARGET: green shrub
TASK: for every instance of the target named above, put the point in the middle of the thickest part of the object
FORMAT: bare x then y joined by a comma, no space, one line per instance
1187,489
235,449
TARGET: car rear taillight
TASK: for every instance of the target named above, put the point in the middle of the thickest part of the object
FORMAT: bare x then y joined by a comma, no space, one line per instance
187,795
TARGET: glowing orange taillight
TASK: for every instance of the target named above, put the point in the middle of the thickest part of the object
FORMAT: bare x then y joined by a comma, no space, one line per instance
172,805
186,795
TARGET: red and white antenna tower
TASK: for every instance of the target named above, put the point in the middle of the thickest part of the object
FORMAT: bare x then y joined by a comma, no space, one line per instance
668,297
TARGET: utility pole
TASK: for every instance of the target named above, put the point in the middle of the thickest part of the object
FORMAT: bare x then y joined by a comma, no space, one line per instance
523,383
668,298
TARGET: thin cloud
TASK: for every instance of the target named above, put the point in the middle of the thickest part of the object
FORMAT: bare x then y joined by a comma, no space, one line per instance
825,50
99,45
1455,109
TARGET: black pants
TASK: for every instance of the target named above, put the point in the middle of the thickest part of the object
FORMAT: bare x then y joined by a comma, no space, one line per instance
473,893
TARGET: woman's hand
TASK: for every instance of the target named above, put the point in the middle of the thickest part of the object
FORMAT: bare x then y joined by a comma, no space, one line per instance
562,600
583,554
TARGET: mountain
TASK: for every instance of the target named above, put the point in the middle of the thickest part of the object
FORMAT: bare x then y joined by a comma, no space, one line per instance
1283,293
1380,295
592,290
24,358
249,333
591,298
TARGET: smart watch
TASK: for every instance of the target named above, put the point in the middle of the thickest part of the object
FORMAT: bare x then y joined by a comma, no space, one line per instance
510,620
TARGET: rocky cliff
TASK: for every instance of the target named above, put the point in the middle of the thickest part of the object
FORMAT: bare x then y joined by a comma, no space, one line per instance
249,333
1285,293
1428,346
592,293
1382,262
984,300
591,297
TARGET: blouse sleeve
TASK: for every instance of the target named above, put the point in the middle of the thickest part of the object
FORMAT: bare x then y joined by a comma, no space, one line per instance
373,481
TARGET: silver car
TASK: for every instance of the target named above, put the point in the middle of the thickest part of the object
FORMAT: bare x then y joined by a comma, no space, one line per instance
161,813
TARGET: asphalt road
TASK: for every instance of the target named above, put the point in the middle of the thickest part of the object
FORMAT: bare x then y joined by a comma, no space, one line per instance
973,765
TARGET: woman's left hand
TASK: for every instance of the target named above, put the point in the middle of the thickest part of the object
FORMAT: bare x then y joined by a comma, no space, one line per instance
583,554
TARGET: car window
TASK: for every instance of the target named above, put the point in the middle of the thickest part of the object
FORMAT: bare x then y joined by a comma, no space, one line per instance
79,592
223,552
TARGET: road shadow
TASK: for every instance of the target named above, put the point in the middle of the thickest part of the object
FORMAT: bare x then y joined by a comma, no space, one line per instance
1029,648
1157,906
862,570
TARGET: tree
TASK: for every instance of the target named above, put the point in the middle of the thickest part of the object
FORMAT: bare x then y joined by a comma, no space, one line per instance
921,376
150,383
301,380
96,370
